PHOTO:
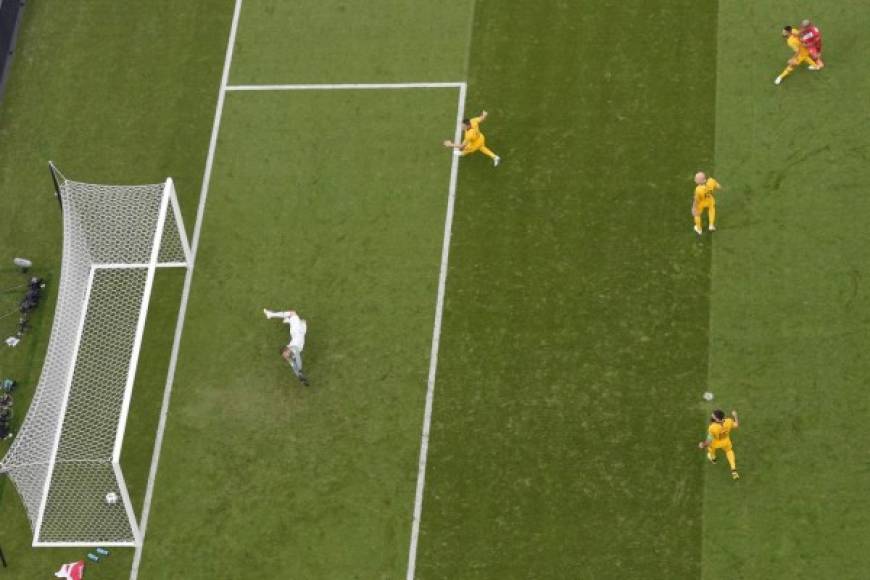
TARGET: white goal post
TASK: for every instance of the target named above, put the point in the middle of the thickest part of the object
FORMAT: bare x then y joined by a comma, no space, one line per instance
65,460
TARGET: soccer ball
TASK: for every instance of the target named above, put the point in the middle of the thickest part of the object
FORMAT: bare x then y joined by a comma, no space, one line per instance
708,396
112,498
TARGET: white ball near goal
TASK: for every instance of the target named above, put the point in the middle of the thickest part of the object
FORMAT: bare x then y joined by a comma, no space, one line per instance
708,396
112,498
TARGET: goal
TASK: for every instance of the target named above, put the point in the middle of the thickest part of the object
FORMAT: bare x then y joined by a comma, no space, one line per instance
65,460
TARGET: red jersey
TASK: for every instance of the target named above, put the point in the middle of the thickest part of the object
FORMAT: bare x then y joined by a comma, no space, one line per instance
811,37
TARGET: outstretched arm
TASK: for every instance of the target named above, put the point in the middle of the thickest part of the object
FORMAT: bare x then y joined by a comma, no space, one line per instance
736,421
278,314
462,145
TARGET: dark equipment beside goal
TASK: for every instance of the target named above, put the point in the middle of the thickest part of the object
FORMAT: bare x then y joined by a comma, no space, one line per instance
28,303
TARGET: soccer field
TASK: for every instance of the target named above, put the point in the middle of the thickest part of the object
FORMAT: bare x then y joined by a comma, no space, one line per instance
506,363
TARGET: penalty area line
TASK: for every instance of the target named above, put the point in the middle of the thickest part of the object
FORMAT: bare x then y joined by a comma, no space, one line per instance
345,87
436,341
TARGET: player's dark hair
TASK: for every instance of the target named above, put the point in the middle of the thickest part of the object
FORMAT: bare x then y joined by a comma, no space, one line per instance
719,414
281,350
787,28
466,121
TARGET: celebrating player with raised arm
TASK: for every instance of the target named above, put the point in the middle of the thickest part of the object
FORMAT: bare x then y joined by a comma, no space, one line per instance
473,140
719,437
811,38
292,352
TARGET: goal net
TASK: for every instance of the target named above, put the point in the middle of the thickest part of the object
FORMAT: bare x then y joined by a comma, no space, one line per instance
65,460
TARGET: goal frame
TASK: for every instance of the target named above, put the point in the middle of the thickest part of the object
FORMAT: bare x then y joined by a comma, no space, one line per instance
168,202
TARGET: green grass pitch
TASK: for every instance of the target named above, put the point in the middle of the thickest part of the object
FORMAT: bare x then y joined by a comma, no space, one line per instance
583,318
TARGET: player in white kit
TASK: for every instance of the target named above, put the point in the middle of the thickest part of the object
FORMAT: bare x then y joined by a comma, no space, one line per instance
292,352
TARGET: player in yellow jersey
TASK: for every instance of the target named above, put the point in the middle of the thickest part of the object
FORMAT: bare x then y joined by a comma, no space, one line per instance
704,199
473,140
719,437
801,53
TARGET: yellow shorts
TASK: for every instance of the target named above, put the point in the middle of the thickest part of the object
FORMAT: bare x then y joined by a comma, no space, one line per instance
805,59
724,445
473,146
706,204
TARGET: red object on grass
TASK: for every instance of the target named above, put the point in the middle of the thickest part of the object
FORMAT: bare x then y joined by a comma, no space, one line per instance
72,571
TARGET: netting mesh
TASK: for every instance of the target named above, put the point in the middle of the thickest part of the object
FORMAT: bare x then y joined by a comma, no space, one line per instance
63,461
171,247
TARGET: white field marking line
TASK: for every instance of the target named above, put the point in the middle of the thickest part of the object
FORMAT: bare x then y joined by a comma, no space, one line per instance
49,473
436,340
182,310
346,86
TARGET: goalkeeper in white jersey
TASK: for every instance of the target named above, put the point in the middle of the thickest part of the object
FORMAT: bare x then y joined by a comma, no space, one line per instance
292,351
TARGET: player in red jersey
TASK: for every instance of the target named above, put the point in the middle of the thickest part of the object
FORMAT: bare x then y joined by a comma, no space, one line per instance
811,37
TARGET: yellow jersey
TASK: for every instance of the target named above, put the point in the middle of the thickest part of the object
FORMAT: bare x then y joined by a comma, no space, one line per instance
794,43
720,433
704,193
473,134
